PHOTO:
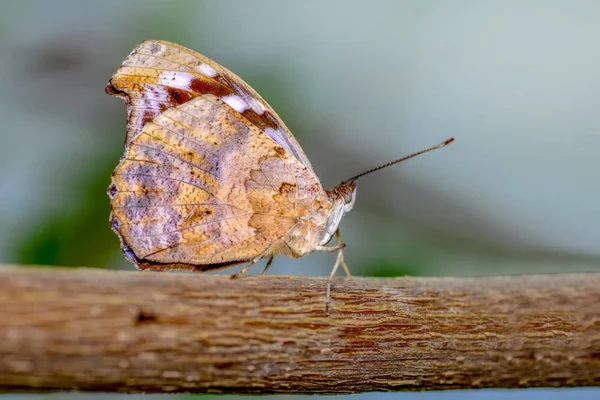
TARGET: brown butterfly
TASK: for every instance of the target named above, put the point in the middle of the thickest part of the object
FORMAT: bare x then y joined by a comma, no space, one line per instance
211,177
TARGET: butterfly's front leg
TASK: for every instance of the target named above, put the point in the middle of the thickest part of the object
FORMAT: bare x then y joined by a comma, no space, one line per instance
331,249
339,260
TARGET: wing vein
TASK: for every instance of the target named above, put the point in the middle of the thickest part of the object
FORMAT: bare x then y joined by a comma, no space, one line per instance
187,127
212,221
172,179
246,154
178,205
231,246
140,65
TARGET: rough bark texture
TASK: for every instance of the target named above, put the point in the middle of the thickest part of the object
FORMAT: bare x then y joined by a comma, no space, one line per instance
157,332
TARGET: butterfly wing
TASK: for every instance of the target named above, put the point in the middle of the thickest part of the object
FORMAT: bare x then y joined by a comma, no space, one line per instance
201,187
159,75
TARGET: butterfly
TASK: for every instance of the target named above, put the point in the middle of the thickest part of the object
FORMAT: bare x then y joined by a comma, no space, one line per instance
211,177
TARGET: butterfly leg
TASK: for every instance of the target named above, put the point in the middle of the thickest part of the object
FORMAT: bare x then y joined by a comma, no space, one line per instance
339,260
331,249
255,260
267,266
244,270
338,235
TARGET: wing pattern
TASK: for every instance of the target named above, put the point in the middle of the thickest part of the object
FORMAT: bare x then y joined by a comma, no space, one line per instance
202,187
159,75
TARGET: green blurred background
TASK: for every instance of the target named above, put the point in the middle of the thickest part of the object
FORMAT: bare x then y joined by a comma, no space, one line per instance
358,83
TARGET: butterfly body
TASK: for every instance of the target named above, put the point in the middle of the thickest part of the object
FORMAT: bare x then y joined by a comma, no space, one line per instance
210,176
316,229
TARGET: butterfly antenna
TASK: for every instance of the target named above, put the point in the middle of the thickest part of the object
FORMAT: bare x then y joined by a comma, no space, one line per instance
439,146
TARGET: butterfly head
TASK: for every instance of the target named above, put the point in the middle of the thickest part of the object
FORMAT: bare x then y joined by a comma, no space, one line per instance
345,194
318,227
342,199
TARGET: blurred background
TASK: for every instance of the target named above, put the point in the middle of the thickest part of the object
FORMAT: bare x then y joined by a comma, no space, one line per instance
358,83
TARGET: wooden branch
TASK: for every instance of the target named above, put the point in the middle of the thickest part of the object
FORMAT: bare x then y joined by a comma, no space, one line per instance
84,329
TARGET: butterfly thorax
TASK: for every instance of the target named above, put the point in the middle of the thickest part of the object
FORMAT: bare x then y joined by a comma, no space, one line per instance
317,228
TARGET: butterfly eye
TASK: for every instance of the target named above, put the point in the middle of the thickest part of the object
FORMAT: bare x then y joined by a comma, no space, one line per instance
346,191
348,196
352,197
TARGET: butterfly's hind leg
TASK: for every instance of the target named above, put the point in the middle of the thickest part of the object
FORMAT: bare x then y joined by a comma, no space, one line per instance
254,261
268,265
245,269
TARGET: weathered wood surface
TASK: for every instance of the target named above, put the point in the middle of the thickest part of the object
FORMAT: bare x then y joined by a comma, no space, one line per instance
113,331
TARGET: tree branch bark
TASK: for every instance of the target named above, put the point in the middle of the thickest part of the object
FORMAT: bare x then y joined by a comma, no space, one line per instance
95,330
